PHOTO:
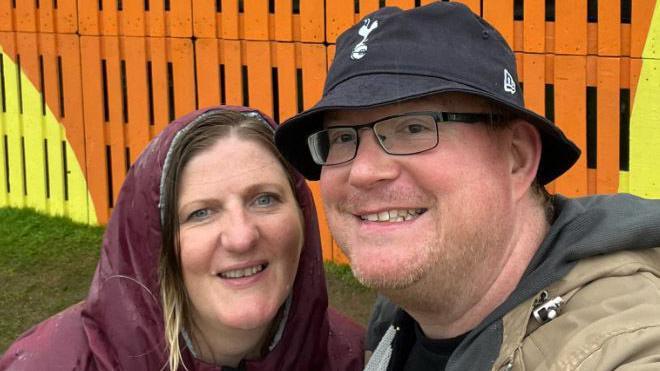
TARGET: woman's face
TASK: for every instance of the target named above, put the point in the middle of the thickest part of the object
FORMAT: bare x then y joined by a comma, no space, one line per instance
240,235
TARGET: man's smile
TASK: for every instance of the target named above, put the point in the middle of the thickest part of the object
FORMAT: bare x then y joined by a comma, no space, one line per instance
393,215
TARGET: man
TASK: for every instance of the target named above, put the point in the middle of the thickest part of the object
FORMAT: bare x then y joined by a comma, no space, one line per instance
432,172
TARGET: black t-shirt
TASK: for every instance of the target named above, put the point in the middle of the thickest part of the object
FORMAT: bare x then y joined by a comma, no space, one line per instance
430,354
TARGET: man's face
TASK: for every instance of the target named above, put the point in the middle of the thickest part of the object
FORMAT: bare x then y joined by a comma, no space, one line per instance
457,198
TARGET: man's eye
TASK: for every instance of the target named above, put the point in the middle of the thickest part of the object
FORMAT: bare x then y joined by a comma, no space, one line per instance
415,128
340,138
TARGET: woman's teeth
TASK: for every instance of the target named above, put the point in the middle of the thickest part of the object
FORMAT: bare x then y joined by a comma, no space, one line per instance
395,215
240,273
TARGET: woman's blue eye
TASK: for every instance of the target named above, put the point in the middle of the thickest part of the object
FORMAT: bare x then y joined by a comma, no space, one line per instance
199,214
264,200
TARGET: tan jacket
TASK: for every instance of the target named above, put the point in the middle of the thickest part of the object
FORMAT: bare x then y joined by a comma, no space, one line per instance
609,319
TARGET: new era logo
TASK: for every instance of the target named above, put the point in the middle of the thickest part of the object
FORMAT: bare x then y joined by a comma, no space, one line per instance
509,83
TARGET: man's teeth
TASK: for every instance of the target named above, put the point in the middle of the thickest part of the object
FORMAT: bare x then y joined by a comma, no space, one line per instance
397,215
240,273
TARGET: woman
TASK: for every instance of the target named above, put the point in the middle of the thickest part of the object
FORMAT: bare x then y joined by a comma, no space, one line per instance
211,258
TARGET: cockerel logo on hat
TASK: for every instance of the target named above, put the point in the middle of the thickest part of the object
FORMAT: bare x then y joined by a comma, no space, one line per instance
360,50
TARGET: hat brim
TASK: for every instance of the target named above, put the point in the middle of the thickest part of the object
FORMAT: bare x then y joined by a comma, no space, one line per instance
373,90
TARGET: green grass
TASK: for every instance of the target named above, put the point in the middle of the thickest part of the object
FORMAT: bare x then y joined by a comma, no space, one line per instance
46,264
347,295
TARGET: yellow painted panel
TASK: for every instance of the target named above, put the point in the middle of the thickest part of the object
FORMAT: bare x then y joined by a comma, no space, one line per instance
13,129
652,46
54,136
624,182
644,177
72,200
80,204
33,133
4,197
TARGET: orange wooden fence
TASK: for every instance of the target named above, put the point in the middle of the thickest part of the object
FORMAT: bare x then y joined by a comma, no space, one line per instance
115,72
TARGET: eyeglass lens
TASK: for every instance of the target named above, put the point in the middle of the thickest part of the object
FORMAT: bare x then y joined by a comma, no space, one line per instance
400,135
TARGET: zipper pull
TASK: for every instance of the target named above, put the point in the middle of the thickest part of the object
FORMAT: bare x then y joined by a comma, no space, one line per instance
548,309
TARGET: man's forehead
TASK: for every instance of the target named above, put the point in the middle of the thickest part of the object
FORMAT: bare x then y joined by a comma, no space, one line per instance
449,102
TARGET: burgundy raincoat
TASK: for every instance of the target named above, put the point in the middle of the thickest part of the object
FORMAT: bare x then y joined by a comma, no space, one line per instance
120,324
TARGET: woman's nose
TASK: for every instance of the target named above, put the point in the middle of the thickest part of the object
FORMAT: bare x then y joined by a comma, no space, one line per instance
240,233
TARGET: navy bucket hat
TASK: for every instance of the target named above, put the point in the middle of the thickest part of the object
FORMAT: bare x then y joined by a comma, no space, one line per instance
394,55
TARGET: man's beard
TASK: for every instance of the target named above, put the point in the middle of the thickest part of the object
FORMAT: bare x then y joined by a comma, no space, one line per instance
445,278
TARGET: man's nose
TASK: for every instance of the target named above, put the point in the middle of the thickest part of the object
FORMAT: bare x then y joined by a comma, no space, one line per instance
371,164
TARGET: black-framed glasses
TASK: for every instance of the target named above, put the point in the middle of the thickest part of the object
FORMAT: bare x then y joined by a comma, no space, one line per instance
403,134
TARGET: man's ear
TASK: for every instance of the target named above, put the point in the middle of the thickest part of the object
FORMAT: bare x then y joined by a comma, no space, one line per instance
525,155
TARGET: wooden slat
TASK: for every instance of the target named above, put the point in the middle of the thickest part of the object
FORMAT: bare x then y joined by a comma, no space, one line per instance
33,121
14,129
181,57
132,19
533,78
367,6
534,26
570,27
87,20
403,4
339,16
25,16
312,27
11,123
207,63
112,53
231,58
607,176
642,13
67,16
206,21
92,88
158,55
178,21
286,76
500,15
570,115
256,20
609,27
229,20
6,19
284,29
259,66
314,71
53,131
79,205
635,73
137,94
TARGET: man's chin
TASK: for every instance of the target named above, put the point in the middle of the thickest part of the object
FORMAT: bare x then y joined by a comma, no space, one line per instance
383,278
